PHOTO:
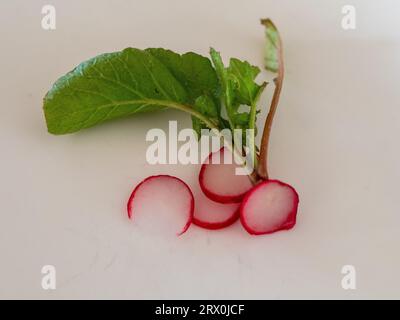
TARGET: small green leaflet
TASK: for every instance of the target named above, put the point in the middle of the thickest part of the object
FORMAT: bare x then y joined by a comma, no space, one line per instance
272,45
243,75
238,88
227,84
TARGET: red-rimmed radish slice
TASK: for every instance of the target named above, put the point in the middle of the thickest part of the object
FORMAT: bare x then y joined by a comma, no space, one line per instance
269,207
161,203
220,182
212,215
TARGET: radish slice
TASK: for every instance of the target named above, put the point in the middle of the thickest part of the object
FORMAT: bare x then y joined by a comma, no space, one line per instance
220,183
161,202
213,215
269,207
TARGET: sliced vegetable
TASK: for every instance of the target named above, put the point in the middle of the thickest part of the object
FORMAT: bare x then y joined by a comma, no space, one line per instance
212,215
162,202
269,207
220,182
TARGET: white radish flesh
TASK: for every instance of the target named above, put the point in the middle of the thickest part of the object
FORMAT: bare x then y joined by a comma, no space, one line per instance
162,204
269,207
212,215
220,182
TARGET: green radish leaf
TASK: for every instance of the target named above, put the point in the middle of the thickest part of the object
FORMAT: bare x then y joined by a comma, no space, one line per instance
272,46
124,83
238,87
206,106
226,82
193,71
242,119
199,77
244,74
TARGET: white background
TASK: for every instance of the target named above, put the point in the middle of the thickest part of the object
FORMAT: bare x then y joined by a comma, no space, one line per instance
336,139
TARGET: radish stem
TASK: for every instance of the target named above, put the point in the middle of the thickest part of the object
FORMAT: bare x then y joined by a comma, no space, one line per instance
263,163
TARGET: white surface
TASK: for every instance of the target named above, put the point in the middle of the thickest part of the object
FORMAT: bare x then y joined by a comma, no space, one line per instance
335,139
